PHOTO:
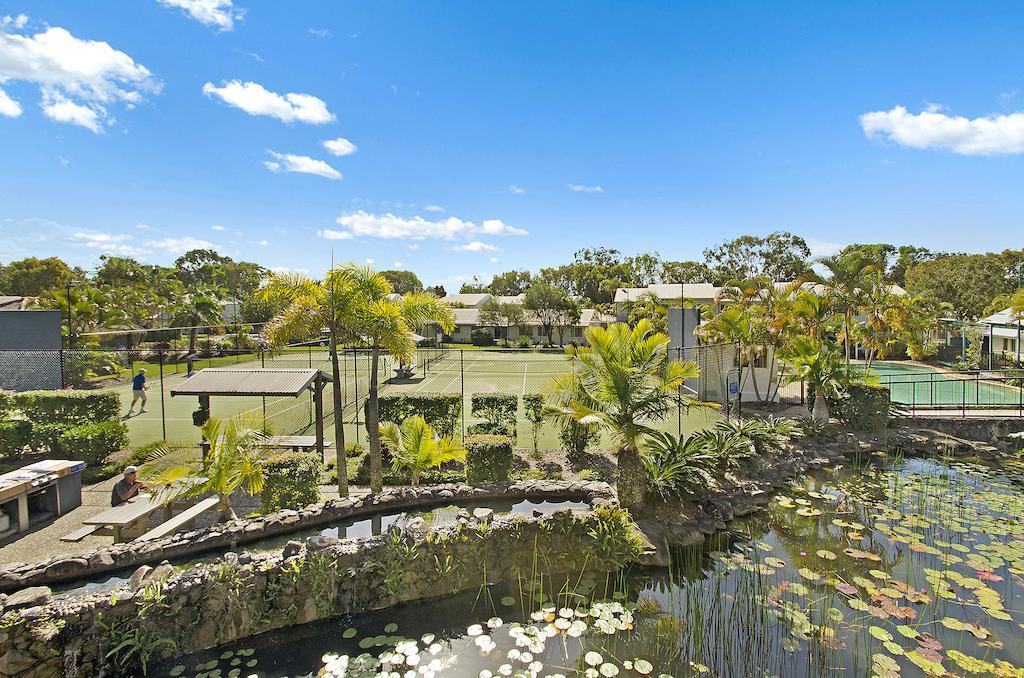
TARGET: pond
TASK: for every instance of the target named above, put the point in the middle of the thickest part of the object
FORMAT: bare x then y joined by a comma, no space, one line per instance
903,567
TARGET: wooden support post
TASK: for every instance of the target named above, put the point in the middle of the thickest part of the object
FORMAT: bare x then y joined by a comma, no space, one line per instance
204,406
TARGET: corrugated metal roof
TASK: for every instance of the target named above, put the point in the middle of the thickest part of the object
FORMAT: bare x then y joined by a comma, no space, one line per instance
248,381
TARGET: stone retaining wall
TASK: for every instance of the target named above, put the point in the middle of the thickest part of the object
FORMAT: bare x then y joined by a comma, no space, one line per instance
162,613
989,429
230,535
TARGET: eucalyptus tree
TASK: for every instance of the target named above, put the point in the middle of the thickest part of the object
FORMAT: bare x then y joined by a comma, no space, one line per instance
623,382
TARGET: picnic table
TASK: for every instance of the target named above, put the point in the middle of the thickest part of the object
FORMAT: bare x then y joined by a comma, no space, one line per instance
296,443
130,516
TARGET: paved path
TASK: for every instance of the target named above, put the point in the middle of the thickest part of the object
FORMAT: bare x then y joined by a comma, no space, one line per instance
42,543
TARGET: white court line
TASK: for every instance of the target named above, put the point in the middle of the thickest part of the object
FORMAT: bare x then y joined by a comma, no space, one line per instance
526,367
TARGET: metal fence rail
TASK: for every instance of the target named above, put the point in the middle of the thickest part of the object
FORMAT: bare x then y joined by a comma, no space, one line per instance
963,393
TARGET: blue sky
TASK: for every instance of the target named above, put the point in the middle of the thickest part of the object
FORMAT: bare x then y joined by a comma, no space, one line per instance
491,136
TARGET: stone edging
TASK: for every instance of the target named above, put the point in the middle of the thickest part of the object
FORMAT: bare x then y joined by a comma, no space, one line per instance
231,534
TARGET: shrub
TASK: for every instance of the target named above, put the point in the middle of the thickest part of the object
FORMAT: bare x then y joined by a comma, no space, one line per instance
81,366
64,407
576,438
47,438
533,405
863,407
481,337
675,466
93,443
290,480
441,410
488,458
498,410
590,475
6,403
14,436
814,428
524,341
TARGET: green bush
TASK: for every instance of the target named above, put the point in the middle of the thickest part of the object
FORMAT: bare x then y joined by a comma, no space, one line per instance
441,410
67,406
47,438
488,458
82,366
576,438
524,341
93,443
481,337
14,436
6,404
590,475
498,410
863,407
290,480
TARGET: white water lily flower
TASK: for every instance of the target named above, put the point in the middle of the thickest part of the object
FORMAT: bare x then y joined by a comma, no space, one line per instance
536,667
513,654
565,612
609,670
485,674
412,660
427,638
562,624
435,648
505,669
526,657
593,658
494,622
591,673
475,630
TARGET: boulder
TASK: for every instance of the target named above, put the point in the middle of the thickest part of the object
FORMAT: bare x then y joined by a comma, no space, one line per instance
29,597
292,548
138,576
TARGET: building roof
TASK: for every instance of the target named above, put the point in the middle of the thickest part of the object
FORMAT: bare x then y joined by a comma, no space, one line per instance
510,299
14,303
1004,317
468,300
249,381
695,291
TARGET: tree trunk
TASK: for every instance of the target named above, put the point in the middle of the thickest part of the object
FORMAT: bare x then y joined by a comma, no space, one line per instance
224,509
820,411
192,335
372,425
340,456
632,482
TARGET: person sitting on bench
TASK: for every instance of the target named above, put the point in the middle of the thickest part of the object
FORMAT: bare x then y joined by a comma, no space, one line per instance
126,488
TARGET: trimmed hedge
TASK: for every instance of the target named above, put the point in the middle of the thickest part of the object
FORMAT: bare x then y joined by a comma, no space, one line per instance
863,407
14,436
488,458
290,480
5,404
63,407
94,442
498,410
441,410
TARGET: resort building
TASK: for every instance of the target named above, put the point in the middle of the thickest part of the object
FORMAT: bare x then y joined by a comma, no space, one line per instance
1001,333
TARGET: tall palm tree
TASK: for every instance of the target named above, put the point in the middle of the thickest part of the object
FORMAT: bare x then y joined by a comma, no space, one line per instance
821,367
233,462
199,306
414,446
386,323
623,381
309,306
850,276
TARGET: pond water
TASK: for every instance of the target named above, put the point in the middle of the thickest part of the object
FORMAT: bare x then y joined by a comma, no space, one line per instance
903,567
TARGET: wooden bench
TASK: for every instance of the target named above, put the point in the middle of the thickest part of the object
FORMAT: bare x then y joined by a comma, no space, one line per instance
186,517
80,534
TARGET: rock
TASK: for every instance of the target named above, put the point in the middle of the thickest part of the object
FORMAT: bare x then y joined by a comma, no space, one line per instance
307,612
66,566
318,542
33,595
161,571
292,548
101,559
15,663
138,576
656,552
483,514
244,558
231,558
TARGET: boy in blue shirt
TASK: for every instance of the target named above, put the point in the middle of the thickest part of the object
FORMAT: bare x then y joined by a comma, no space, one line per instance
138,391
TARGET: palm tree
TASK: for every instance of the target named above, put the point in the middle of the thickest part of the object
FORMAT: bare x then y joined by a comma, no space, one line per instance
623,382
386,323
200,306
310,305
233,462
821,367
414,446
850,277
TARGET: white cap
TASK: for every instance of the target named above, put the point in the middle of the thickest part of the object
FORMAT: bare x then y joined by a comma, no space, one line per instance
130,469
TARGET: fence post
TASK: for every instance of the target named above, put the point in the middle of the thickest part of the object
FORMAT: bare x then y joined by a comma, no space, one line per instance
679,402
462,388
355,389
163,399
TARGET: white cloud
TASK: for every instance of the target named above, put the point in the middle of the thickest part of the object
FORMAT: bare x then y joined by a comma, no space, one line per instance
476,246
389,226
320,32
331,234
178,246
518,190
217,13
78,79
301,164
263,243
823,248
64,162
931,128
18,21
8,106
286,269
494,260
584,188
144,227
369,262
255,99
433,208
398,264
340,146
58,107
218,227
108,243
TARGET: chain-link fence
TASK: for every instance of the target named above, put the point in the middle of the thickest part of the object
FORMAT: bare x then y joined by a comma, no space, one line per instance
432,370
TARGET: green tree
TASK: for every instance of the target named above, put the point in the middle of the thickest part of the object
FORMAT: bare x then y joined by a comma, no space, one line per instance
851,279
624,382
510,283
779,256
414,446
403,282
387,325
820,365
649,307
200,306
437,290
232,462
496,313
965,283
685,272
34,277
546,303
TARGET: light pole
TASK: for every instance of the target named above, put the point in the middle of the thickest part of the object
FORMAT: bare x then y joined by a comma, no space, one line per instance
71,331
